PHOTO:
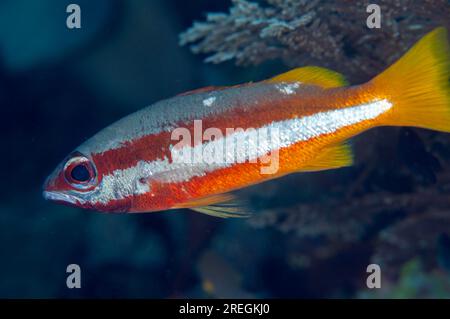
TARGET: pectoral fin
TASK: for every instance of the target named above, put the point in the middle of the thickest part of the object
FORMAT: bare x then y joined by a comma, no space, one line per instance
223,206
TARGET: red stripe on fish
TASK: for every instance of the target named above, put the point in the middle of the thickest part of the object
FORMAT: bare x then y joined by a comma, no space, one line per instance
156,146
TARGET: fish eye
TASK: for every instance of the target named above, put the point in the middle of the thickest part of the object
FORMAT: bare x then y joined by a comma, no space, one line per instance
80,173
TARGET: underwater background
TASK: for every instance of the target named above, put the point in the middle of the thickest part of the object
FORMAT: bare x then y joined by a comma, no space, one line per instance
313,234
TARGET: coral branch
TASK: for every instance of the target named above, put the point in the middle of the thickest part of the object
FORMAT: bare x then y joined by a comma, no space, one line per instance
329,33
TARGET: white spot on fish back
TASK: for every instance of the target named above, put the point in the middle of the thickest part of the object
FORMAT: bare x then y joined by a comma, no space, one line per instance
209,101
288,88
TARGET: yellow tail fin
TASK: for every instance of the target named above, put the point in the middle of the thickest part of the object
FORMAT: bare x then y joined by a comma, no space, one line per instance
418,85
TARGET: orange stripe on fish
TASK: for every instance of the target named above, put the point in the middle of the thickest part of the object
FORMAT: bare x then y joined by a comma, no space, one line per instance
295,122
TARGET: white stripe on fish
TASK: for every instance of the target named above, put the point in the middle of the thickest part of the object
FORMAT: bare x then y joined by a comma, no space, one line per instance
131,181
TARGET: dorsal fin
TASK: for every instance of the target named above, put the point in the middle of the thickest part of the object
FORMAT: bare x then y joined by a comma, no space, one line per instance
222,205
213,88
202,90
312,75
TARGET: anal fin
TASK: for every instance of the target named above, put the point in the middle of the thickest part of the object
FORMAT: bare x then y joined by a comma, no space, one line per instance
331,157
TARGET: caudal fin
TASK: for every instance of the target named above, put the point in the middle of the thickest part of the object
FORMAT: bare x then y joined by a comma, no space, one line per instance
418,85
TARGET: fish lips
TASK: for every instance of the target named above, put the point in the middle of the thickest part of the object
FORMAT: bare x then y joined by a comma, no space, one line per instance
65,199
60,197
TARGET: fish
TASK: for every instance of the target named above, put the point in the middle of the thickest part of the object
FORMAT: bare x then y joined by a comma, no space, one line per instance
196,149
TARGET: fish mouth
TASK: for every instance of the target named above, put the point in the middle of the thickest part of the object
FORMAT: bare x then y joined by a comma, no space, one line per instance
60,197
